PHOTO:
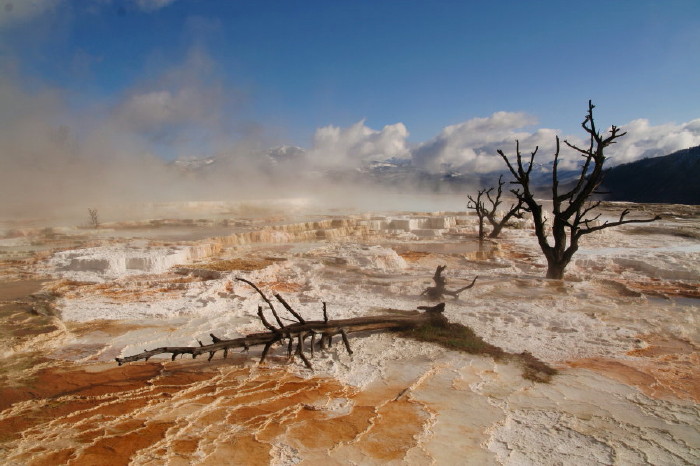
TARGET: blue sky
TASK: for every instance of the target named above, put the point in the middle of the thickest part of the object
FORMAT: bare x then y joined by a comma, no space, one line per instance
285,69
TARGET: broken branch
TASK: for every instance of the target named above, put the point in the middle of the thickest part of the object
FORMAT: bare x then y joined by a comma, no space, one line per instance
439,290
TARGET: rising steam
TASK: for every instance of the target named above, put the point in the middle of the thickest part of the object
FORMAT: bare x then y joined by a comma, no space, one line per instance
58,158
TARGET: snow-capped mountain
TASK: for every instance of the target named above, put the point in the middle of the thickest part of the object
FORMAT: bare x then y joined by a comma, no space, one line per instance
193,163
285,153
293,163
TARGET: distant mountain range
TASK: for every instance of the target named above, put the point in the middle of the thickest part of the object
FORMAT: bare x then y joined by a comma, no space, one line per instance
670,179
673,178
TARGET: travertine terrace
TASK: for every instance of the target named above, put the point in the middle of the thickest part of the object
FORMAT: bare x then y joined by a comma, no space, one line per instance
623,330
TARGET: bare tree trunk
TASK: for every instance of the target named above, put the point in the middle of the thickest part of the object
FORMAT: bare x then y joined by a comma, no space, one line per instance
295,332
298,332
555,269
478,206
431,325
496,230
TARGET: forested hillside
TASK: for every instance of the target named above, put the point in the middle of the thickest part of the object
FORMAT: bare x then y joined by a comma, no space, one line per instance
673,179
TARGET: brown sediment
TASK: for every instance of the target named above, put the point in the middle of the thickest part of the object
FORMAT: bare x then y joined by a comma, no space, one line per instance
658,345
657,287
243,265
315,435
118,449
53,458
51,383
26,322
18,289
66,287
216,411
666,368
243,450
413,256
184,447
394,431
282,287
618,288
135,289
514,252
21,322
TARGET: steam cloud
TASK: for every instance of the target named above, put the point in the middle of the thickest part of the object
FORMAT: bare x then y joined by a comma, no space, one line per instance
56,157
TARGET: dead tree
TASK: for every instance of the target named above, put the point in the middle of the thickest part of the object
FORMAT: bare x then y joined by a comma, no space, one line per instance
478,206
295,335
491,213
515,210
94,219
572,210
439,290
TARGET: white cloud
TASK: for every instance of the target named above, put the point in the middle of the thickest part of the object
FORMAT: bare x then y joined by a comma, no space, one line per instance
350,147
15,12
644,140
153,5
20,11
471,146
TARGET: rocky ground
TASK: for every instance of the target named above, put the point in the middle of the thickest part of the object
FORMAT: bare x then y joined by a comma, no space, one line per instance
622,329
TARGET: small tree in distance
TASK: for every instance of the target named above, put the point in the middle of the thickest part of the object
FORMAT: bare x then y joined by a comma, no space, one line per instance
94,219
571,210
491,213
478,206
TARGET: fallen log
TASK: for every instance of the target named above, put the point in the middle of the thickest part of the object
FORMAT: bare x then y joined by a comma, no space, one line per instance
430,325
297,332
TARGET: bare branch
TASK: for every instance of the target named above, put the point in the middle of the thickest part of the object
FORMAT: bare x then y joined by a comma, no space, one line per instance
344,334
439,290
300,352
616,224
269,303
264,322
289,308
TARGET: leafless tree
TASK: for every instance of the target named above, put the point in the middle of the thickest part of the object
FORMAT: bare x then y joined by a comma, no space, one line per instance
491,213
478,206
94,219
572,210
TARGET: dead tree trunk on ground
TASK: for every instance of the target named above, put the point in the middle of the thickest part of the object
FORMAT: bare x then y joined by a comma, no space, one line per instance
439,290
431,325
297,333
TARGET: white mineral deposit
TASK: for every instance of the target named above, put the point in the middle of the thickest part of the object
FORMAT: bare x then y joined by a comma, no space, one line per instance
621,330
